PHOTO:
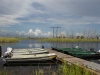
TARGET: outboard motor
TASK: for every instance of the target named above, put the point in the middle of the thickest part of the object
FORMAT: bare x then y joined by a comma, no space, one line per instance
5,55
92,49
9,49
8,52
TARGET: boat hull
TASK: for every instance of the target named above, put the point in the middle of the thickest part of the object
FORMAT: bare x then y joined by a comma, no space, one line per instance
79,52
23,60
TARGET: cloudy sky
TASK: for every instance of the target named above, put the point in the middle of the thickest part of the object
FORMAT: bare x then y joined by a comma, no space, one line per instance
37,16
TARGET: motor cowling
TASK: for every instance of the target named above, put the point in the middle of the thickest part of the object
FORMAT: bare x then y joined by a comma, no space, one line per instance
8,52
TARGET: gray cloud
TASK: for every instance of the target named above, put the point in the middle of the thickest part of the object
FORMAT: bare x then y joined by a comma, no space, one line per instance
53,11
85,7
73,7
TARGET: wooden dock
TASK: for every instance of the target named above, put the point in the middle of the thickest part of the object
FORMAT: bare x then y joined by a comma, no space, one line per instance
94,67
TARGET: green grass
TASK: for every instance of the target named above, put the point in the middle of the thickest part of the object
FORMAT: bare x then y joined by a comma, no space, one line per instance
67,40
64,69
72,69
8,40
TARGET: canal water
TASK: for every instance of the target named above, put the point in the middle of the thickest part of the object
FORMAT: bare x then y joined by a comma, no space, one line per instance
35,44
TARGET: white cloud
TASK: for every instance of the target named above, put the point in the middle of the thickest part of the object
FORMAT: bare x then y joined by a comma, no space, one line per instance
6,20
79,34
30,31
13,9
39,33
48,34
63,33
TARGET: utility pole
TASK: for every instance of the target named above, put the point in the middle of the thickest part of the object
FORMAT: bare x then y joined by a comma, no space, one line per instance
56,30
53,31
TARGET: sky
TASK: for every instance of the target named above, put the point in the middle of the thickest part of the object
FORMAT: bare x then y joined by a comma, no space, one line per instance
35,17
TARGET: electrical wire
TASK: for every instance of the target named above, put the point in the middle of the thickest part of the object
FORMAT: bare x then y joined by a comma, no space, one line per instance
7,9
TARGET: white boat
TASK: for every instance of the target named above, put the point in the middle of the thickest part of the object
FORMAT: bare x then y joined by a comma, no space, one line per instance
30,58
32,50
28,55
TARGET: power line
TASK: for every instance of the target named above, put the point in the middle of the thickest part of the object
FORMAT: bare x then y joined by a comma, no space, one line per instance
7,9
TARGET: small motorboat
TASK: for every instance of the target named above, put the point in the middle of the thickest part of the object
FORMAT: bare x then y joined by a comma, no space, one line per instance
30,51
27,55
30,58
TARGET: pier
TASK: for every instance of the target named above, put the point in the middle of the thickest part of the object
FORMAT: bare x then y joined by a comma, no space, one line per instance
94,67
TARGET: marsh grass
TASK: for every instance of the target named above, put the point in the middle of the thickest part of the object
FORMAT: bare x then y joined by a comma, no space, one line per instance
67,40
8,40
5,72
64,69
72,69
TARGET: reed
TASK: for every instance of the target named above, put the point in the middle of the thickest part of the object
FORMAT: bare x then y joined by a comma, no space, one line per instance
72,69
8,40
67,40
64,69
6,72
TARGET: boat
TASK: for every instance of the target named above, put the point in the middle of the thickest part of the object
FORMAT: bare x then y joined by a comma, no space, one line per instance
79,52
29,51
28,55
30,58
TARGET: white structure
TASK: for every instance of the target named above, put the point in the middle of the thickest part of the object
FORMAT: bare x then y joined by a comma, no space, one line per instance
98,51
76,46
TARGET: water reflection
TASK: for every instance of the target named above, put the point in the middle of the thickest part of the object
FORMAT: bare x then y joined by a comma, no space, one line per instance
30,45
37,45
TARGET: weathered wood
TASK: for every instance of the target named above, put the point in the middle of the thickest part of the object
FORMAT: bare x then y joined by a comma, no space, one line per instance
74,60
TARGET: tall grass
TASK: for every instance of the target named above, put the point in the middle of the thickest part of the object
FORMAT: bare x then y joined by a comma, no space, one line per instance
72,69
64,69
67,40
6,72
8,40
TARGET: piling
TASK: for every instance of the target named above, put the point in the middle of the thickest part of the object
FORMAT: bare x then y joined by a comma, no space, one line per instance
0,51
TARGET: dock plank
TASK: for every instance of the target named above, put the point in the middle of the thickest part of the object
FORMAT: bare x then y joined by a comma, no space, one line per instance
65,57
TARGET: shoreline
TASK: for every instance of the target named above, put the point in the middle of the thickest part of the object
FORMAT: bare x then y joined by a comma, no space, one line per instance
67,40
8,40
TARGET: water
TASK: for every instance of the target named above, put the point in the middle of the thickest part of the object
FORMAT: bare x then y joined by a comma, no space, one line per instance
35,44
27,68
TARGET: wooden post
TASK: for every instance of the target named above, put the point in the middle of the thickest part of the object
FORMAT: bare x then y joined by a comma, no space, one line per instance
0,51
